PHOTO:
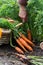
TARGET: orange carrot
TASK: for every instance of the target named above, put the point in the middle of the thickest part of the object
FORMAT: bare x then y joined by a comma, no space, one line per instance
19,50
27,40
24,43
29,35
19,43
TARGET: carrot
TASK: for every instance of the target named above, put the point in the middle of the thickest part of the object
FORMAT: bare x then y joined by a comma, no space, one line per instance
19,43
16,48
24,43
27,40
29,35
0,32
21,56
19,50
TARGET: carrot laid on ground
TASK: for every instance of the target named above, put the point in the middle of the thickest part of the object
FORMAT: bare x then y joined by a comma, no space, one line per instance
27,40
16,48
21,56
24,43
19,43
29,35
19,50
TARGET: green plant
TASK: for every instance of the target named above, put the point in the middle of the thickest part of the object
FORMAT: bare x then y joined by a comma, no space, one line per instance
10,8
35,18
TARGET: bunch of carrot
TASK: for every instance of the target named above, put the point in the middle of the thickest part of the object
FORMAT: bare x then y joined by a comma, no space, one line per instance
24,43
15,47
20,38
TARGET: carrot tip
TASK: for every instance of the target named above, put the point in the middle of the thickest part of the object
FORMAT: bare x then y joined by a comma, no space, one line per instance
19,50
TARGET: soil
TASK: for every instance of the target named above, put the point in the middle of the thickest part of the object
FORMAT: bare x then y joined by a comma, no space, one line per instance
7,55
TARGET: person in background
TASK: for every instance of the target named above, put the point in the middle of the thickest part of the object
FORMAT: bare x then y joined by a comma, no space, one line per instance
22,10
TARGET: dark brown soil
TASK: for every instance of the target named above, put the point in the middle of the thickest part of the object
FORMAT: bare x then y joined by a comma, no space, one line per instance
7,55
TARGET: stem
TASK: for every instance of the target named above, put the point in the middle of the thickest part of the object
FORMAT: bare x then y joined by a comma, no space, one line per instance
11,42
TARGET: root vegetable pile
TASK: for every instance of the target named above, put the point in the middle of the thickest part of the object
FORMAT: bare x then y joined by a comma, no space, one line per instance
24,43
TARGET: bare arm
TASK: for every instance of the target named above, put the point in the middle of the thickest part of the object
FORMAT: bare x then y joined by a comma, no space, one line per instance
22,10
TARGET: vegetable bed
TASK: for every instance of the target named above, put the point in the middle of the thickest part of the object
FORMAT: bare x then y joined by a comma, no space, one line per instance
25,37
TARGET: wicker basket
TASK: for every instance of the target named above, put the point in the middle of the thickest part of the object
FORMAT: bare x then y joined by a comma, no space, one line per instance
5,36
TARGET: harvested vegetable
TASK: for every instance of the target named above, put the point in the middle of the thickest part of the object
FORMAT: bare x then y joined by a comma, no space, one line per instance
19,43
19,39
19,50
24,43
21,56
27,40
29,35
15,47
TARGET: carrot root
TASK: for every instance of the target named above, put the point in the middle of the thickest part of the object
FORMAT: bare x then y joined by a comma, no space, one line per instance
27,40
29,35
19,43
19,50
24,43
